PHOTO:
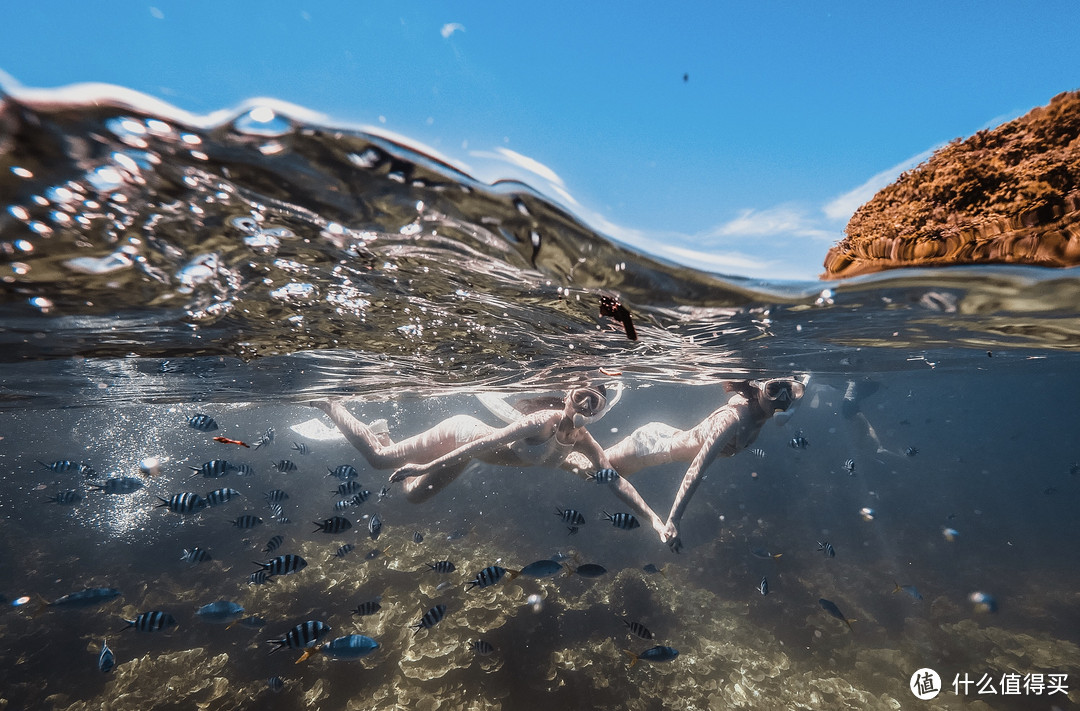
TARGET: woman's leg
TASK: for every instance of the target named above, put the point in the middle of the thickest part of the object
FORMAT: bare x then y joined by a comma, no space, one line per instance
444,437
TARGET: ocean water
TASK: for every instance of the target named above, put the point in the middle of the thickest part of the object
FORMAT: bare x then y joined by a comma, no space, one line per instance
155,267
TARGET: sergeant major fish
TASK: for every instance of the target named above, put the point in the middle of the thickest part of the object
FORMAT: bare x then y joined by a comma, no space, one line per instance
183,503
203,423
221,496
431,618
303,635
118,485
637,629
214,469
374,526
283,564
196,555
151,621
274,543
334,524
369,607
65,497
491,575
625,521
604,476
570,516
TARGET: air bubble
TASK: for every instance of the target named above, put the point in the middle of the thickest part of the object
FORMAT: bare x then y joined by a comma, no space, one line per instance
105,178
262,121
294,291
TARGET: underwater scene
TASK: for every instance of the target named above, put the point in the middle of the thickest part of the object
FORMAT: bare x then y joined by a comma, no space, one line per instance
300,417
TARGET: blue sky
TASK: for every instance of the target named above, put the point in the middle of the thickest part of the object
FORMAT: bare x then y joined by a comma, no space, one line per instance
792,115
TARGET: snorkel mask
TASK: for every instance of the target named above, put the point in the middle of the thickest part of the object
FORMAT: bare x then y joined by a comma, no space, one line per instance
590,403
781,394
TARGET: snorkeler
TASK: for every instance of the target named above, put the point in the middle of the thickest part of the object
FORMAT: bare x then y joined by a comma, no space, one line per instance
547,436
722,434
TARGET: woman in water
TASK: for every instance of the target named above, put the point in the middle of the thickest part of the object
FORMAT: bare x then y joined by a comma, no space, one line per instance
548,436
731,428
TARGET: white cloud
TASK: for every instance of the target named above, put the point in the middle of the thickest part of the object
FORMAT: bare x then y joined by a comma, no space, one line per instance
782,219
844,206
450,28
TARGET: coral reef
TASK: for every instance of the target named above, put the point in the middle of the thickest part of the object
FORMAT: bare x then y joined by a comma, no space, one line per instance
1008,195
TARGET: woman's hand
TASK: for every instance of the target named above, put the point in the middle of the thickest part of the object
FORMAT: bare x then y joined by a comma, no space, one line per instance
408,472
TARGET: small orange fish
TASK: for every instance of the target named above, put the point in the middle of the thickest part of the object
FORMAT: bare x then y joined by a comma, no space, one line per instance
226,440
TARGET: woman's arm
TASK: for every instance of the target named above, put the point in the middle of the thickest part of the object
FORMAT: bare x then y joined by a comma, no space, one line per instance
718,431
588,446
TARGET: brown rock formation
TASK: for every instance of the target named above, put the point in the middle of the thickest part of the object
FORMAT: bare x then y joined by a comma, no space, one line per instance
1010,195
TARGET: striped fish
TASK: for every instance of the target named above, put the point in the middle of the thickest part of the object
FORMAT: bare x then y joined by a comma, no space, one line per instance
344,550
443,566
637,629
849,465
183,503
758,452
300,447
570,516
284,466
275,684
482,647
374,526
276,511
260,577
360,497
274,543
118,485
344,472
305,634
195,555
106,661
265,439
244,470
334,524
763,586
826,548
343,504
431,618
798,441
489,576
624,521
417,537
65,497
247,521
221,496
911,451
150,621
214,469
283,564
384,493
275,496
203,423
604,476
370,607
60,466
348,488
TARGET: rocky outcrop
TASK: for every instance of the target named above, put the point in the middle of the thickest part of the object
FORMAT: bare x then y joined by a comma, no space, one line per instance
1009,195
